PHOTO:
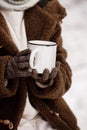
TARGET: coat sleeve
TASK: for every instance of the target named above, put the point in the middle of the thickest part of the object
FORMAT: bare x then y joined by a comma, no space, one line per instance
7,88
62,81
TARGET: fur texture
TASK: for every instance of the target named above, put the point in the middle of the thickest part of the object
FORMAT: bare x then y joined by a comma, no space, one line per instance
40,24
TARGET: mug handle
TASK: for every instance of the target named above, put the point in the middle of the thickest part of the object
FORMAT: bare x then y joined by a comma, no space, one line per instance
32,58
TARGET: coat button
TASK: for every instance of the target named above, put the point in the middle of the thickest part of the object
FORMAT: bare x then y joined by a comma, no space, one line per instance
6,122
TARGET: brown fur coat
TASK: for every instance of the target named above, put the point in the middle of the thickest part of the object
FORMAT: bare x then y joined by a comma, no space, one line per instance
43,24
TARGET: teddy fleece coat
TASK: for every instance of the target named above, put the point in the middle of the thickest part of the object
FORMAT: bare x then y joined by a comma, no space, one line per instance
41,24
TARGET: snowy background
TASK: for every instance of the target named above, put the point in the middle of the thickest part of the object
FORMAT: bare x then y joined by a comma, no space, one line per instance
75,41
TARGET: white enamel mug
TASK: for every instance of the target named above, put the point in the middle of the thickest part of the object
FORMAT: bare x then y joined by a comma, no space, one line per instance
43,55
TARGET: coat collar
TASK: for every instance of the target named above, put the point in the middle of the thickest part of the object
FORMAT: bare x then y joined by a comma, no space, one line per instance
39,26
39,23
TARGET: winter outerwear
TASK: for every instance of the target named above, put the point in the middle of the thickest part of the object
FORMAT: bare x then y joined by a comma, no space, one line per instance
41,24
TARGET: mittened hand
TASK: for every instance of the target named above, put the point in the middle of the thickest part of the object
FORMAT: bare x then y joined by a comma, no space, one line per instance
19,65
46,79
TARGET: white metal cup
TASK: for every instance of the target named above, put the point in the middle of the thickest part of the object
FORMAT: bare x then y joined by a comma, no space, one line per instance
43,55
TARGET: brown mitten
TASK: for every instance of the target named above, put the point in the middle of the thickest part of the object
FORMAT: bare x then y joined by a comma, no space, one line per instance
46,79
18,66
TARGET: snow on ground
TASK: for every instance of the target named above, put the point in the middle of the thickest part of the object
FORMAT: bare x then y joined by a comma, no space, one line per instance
75,41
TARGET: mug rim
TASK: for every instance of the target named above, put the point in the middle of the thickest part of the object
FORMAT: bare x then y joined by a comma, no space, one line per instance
38,42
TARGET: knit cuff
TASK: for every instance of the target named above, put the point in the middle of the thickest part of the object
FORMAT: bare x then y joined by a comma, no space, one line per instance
42,85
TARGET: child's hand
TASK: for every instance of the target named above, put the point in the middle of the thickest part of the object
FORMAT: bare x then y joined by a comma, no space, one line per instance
46,77
18,66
